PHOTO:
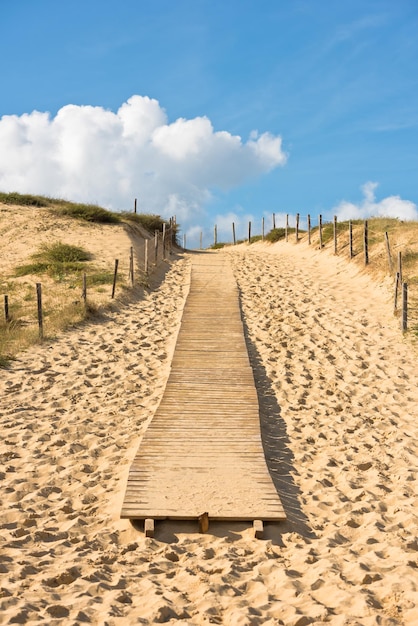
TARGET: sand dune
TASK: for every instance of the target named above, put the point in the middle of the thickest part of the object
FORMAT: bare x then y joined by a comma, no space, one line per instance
338,396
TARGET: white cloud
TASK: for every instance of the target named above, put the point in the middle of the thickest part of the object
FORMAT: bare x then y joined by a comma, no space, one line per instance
90,154
392,206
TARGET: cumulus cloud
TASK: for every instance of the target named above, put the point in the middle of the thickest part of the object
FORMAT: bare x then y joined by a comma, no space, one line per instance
392,206
90,154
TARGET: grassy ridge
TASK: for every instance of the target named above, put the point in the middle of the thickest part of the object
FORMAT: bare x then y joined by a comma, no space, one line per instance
86,212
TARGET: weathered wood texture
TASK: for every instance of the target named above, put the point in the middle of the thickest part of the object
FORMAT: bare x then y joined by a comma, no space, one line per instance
202,451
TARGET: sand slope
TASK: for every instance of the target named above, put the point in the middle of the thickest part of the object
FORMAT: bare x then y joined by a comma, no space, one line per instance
338,394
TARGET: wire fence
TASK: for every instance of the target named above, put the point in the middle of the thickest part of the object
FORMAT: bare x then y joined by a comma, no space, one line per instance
360,241
374,248
56,302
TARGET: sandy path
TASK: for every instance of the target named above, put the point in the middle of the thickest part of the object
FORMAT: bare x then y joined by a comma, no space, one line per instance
339,403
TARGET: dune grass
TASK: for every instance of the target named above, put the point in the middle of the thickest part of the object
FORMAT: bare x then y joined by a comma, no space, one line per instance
57,259
86,212
23,199
277,234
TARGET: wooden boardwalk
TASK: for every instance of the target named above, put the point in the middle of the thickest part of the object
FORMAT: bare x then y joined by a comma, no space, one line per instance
202,451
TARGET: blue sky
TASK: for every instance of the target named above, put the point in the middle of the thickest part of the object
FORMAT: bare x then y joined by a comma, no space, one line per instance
217,111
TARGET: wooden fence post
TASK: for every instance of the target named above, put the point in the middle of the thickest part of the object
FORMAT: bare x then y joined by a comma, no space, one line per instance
233,233
170,237
400,267
287,227
404,307
262,229
335,235
6,309
350,238
249,232
84,292
164,236
131,266
309,230
390,263
146,257
395,304
215,235
297,227
40,316
135,206
274,221
155,247
115,274
184,241
366,242
320,232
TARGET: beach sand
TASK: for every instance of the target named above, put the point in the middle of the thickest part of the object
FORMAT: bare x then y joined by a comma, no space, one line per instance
338,393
